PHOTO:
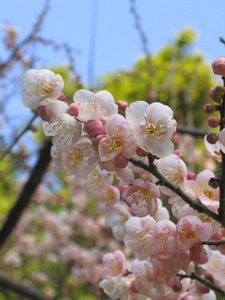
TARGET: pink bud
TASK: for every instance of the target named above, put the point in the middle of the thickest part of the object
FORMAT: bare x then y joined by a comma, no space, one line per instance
178,153
62,97
209,108
190,175
217,93
141,152
73,109
213,121
43,114
122,104
121,161
97,140
177,287
94,127
218,66
212,138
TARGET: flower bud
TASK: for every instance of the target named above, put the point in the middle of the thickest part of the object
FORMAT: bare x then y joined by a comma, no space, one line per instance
218,66
121,161
212,137
94,127
209,108
73,109
97,140
122,104
213,121
190,175
43,114
217,93
141,152
62,98
178,153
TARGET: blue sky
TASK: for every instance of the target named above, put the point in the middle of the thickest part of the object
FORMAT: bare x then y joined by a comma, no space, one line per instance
117,41
118,44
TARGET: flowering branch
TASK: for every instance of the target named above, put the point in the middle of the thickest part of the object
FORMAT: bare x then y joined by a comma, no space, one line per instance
18,137
26,193
19,287
222,165
207,283
197,205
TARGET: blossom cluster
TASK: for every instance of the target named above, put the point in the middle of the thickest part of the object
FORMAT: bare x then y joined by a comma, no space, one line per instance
94,144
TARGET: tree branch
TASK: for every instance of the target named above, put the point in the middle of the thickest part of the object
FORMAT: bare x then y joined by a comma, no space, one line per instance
6,282
26,193
222,165
18,137
192,131
197,205
207,283
214,243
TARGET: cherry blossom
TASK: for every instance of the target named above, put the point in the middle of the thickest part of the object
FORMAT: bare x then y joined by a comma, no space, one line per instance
66,131
107,198
174,169
40,85
118,139
143,197
152,127
140,235
191,230
114,265
95,106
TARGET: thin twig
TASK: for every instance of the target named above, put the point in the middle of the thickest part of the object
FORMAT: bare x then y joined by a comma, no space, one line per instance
214,243
29,38
26,193
197,205
6,282
18,137
207,283
192,131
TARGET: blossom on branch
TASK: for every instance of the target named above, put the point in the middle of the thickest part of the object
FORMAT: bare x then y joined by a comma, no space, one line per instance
40,85
152,127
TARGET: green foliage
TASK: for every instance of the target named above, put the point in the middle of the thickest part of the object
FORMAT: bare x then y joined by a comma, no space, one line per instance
175,76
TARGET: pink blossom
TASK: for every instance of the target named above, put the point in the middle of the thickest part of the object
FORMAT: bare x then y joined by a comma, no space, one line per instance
107,198
114,265
82,158
152,127
118,139
95,106
199,188
174,169
66,131
144,282
140,235
116,288
116,219
40,85
143,197
190,230
164,239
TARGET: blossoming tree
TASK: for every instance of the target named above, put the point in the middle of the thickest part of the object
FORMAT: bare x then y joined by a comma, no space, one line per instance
129,162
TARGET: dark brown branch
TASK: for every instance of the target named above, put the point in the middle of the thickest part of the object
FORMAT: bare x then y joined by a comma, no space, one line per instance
6,282
192,131
18,137
200,207
207,283
214,243
26,193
